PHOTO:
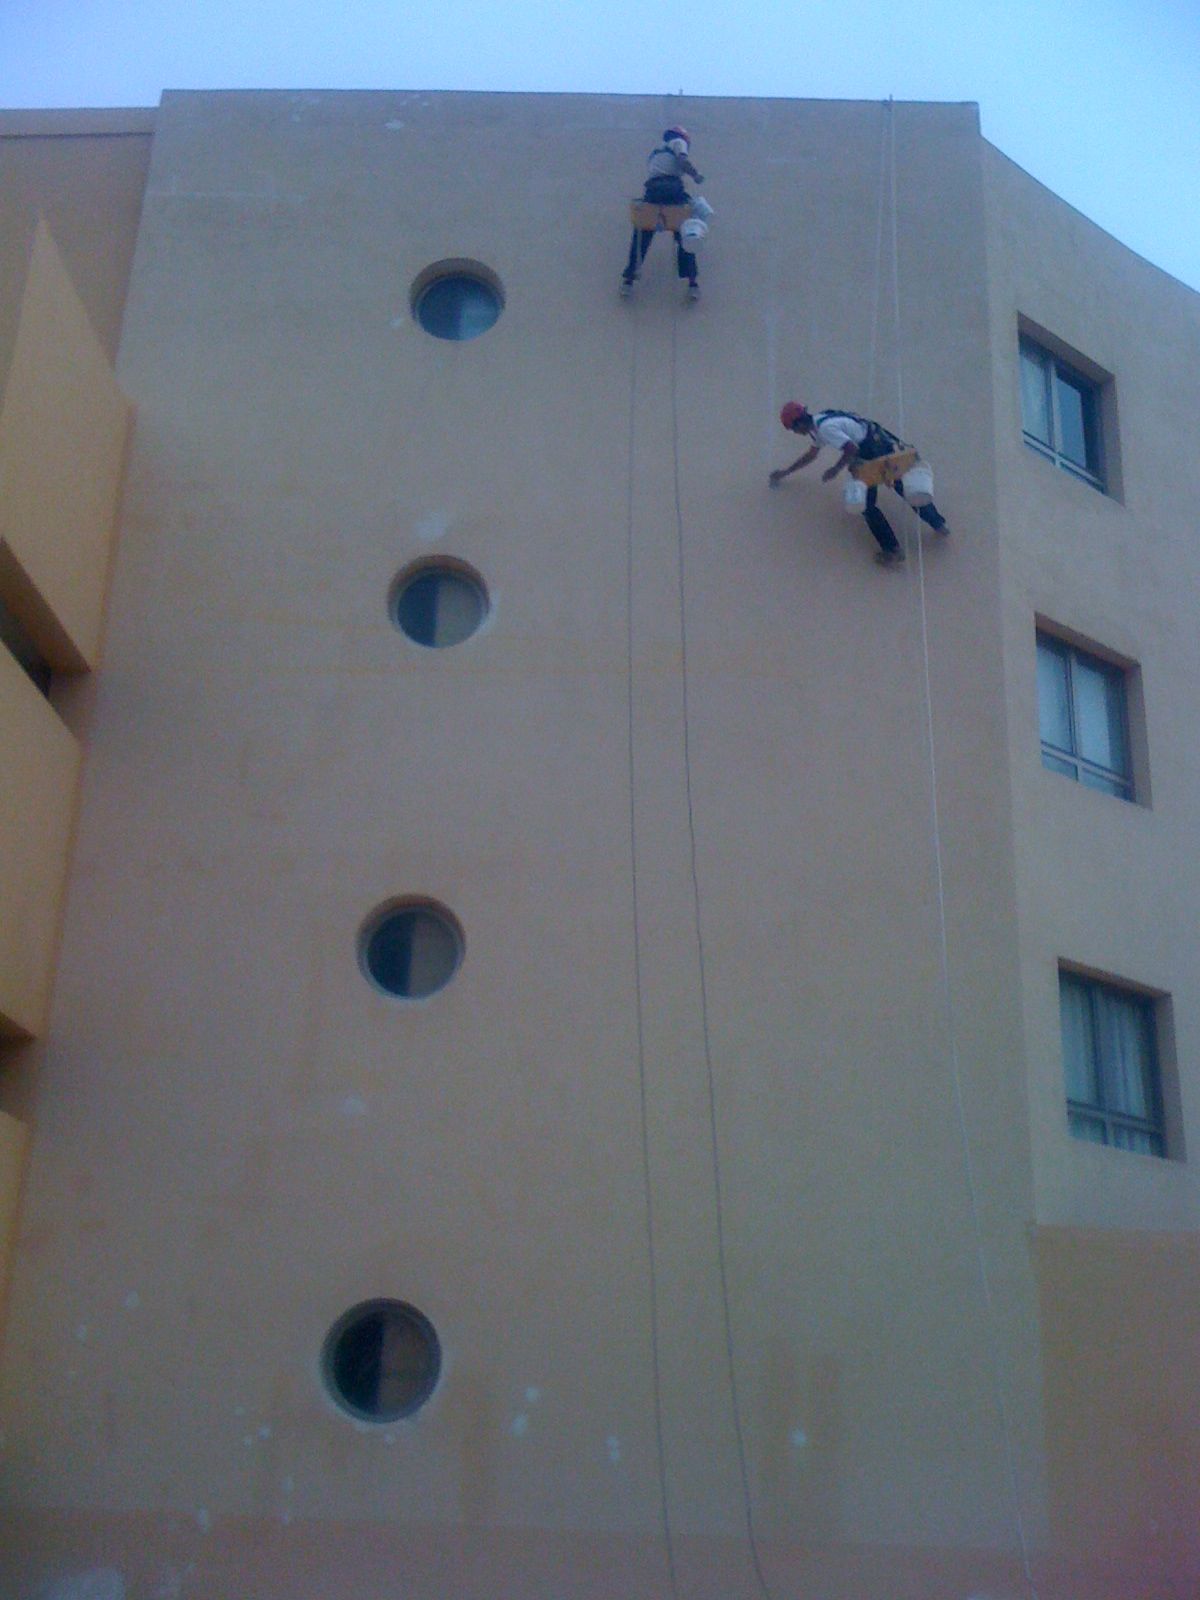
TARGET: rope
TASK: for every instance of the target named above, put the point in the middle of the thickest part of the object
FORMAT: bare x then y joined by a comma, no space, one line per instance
944,943
714,1139
651,1253
883,133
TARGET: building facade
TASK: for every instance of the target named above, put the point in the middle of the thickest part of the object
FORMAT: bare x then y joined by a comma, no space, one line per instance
600,1041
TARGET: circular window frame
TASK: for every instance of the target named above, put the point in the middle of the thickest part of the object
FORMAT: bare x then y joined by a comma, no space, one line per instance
452,566
455,267
357,1313
371,925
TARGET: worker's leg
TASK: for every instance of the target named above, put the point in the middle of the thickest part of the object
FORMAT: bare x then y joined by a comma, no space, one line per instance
879,525
928,513
685,261
638,246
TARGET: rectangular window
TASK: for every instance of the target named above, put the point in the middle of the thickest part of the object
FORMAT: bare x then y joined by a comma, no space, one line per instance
1060,413
1083,718
1110,1061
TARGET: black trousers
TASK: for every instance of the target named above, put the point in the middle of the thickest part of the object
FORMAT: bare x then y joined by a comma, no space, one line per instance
660,192
882,528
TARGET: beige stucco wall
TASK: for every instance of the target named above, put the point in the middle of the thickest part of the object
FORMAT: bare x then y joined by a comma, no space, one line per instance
238,1138
1103,883
63,426
37,808
84,171
300,1142
1119,1310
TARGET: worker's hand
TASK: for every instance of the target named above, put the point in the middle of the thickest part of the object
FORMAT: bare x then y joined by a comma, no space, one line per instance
831,473
777,477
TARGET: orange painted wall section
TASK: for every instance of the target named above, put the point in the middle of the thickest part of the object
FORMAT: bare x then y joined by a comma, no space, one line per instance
62,443
1121,1324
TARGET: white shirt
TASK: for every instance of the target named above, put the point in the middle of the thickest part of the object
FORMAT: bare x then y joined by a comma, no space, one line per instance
838,430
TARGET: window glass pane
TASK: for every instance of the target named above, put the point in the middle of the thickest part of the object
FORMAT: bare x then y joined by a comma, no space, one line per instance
1035,394
382,1360
439,607
1078,1042
1054,704
412,951
1136,1139
1076,418
1099,722
459,610
1085,1127
416,609
458,307
1125,1053
433,954
1098,780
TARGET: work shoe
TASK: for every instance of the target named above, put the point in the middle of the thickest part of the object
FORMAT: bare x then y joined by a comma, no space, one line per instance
889,558
693,291
943,530
626,288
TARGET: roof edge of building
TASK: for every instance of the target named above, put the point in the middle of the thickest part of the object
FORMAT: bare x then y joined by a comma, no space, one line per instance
77,123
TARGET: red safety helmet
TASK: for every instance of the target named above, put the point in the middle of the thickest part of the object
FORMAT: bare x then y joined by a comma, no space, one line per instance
792,413
678,133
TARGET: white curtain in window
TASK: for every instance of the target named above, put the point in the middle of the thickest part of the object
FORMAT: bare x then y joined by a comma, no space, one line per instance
1073,421
1079,1045
1035,395
1054,704
1124,1054
1098,716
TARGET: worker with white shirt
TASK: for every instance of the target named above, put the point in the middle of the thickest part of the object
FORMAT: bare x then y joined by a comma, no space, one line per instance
856,439
666,168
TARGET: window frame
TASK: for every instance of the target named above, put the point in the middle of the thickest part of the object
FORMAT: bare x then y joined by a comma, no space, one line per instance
1158,1125
1053,366
1119,672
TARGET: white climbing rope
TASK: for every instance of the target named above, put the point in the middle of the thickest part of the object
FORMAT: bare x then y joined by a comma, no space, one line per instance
1004,1423
701,964
643,1110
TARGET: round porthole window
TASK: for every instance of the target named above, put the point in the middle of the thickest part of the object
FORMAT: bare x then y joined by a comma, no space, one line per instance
382,1360
438,604
457,300
411,950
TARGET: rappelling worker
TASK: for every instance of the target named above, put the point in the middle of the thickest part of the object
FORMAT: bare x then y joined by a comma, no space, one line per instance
858,440
666,168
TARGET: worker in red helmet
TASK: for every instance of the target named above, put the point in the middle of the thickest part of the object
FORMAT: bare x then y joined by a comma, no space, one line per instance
666,168
856,439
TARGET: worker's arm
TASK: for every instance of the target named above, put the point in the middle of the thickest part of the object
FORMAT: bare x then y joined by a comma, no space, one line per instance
781,473
690,170
849,454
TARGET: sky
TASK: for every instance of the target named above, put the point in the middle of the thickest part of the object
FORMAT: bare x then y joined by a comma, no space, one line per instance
1098,99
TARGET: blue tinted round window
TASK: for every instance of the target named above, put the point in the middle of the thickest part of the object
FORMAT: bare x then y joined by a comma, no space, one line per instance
438,606
458,307
382,1360
411,951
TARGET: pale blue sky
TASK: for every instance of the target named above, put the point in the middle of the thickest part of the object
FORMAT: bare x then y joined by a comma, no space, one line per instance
1099,99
